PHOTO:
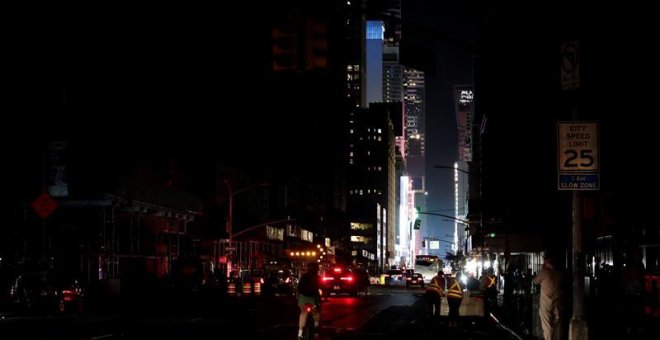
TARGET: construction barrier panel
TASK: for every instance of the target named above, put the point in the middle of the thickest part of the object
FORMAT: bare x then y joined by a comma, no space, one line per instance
247,288
231,288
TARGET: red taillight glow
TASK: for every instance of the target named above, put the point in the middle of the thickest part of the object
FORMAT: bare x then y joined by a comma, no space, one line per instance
347,278
336,270
67,294
327,278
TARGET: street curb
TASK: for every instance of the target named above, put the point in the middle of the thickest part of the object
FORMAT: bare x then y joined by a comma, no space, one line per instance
499,324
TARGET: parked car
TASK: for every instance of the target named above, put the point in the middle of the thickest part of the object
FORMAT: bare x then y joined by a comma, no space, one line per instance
44,292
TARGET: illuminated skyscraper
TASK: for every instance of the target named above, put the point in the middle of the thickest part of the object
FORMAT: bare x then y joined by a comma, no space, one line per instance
373,61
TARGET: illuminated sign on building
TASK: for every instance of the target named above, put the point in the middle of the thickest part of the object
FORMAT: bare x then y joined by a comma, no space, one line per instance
465,97
464,119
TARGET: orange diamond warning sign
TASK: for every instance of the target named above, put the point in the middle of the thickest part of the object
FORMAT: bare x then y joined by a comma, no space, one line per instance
44,205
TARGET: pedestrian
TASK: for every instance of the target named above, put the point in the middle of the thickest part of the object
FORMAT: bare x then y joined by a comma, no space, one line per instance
434,293
489,288
454,299
550,303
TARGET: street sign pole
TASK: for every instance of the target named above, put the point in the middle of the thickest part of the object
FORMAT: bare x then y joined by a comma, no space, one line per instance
578,166
579,162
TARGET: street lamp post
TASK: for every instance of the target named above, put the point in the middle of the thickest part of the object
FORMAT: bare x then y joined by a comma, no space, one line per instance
230,216
451,218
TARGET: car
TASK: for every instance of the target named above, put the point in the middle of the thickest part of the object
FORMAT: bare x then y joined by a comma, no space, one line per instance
43,292
279,282
394,277
414,279
340,279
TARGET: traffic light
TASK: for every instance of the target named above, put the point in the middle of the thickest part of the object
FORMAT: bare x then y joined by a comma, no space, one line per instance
316,44
285,48
418,224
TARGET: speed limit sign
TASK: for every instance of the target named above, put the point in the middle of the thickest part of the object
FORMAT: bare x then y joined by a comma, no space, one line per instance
578,146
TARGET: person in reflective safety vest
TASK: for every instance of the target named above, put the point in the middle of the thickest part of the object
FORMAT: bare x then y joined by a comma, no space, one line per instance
434,293
454,299
489,287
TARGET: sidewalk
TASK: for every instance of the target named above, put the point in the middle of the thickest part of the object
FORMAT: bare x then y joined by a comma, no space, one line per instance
606,319
609,318
520,315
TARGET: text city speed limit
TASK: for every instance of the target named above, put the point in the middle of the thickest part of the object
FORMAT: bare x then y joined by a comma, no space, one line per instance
578,146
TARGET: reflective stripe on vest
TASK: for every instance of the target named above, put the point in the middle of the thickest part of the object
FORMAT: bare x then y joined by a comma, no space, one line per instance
492,282
435,287
455,290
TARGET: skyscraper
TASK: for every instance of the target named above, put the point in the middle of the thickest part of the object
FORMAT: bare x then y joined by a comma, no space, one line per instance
414,141
373,63
372,186
414,104
392,75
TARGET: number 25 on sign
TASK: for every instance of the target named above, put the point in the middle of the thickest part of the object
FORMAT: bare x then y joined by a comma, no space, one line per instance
578,146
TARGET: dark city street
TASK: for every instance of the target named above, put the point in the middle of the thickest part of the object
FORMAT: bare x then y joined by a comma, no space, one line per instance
336,169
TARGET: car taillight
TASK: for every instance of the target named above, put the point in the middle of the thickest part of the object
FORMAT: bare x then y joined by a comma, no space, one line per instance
347,278
327,278
68,294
